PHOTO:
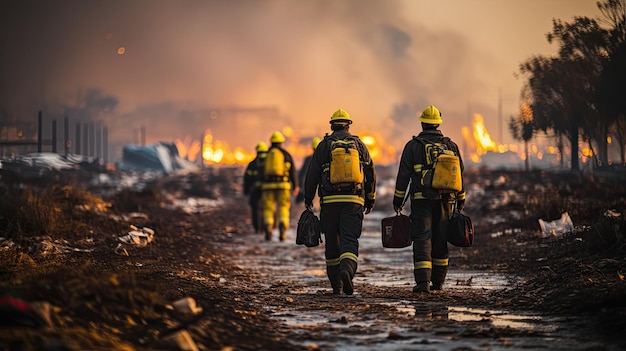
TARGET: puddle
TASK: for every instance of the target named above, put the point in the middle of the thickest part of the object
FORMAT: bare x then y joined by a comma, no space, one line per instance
418,325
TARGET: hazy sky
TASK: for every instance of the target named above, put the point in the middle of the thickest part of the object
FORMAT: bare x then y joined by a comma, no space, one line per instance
380,60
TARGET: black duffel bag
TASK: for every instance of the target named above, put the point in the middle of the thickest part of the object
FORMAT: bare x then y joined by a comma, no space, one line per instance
460,230
309,232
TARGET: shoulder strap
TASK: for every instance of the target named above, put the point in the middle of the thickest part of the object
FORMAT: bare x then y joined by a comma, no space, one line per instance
421,140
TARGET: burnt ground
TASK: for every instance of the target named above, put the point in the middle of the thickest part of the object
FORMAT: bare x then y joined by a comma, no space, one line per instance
61,258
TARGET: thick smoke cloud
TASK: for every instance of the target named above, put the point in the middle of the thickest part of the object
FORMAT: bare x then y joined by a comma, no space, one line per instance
260,64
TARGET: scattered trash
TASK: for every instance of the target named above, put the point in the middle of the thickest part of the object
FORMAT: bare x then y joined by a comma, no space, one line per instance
181,340
558,226
15,312
467,282
160,157
187,306
136,237
612,214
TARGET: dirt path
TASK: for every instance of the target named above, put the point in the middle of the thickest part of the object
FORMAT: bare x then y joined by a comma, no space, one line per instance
514,290
289,282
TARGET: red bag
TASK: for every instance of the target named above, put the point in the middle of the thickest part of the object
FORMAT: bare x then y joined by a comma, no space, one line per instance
460,230
396,231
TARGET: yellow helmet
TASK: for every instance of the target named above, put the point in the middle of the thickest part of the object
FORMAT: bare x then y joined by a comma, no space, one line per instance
431,115
261,147
277,137
339,116
316,141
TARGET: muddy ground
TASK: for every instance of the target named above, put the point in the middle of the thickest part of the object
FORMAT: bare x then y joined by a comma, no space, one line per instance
515,289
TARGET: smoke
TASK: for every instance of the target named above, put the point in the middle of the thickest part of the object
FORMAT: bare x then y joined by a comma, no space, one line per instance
243,67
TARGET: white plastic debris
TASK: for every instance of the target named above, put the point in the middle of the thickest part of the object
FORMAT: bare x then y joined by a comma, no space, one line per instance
612,214
558,226
136,237
187,305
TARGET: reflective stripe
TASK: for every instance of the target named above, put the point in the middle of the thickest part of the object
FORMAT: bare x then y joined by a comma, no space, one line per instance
332,261
399,193
460,196
281,185
330,199
350,256
423,264
419,196
417,167
371,196
440,261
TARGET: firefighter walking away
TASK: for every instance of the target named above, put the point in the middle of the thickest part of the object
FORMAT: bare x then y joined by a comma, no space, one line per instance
279,180
432,201
252,180
342,173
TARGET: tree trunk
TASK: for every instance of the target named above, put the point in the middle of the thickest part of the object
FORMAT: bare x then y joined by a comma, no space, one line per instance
603,146
559,145
574,145
526,161
621,138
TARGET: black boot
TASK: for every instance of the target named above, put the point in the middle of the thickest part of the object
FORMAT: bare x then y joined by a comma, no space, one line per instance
268,233
422,280
334,275
439,276
348,269
283,231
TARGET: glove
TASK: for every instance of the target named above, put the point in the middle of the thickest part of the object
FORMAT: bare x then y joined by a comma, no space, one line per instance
308,205
397,204
460,204
368,207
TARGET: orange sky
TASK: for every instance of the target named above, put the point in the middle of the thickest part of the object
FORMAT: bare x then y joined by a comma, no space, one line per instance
294,61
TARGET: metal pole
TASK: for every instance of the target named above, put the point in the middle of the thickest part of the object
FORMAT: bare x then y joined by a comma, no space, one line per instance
105,144
54,135
86,139
39,131
77,138
98,141
66,131
91,140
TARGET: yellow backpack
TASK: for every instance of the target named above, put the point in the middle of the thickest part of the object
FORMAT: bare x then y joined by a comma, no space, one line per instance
442,171
274,168
346,170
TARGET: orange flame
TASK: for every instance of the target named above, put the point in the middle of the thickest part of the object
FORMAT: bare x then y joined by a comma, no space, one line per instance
479,142
219,152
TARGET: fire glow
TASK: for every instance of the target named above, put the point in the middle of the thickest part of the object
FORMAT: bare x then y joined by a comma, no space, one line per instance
477,143
218,152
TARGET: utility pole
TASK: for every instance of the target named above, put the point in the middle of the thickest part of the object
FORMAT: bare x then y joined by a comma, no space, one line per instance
66,135
77,139
500,116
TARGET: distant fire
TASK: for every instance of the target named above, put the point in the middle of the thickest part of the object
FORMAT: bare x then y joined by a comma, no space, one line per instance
478,142
218,152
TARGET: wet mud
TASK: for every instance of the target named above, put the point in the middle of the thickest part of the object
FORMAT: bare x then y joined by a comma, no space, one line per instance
515,289
384,314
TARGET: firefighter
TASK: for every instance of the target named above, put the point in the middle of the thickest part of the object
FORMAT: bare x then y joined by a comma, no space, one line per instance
279,180
342,206
252,179
305,167
430,210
